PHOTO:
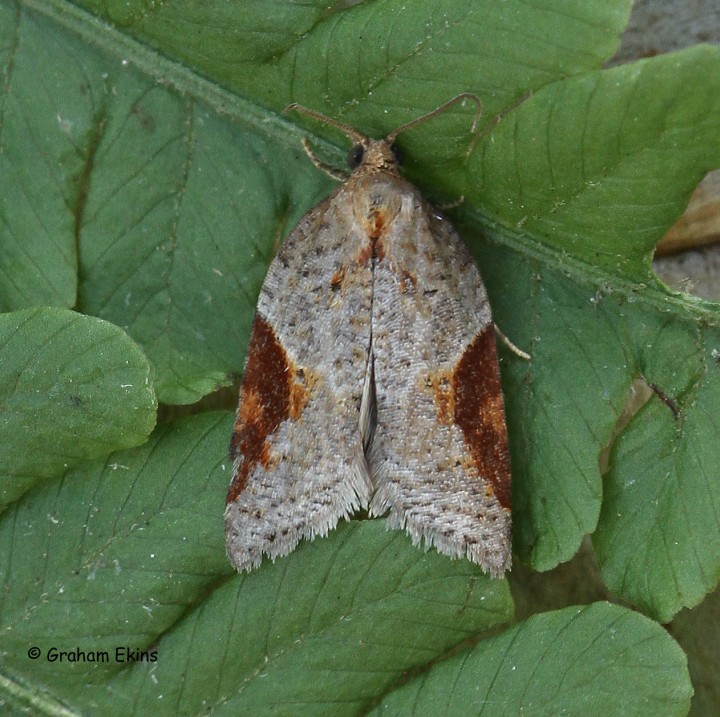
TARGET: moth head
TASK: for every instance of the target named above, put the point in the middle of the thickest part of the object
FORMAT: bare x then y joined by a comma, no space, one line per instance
372,155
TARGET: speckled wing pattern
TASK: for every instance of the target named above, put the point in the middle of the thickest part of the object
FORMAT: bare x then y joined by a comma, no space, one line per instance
439,456
298,450
372,382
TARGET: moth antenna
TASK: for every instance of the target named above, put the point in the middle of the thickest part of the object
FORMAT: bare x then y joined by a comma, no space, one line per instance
350,132
439,110
495,121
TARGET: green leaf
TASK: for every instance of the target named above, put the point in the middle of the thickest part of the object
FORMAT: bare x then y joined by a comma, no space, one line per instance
600,166
658,537
128,553
381,52
72,387
113,552
600,659
147,178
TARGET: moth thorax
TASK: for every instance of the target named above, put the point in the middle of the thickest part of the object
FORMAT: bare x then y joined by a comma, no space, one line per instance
378,206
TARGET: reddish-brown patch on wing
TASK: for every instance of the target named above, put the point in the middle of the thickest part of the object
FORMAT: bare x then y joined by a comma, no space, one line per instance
269,396
480,412
441,385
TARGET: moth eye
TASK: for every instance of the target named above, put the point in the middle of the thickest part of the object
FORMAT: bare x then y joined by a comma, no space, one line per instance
397,153
355,156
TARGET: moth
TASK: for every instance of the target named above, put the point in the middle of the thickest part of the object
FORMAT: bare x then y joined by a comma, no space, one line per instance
371,379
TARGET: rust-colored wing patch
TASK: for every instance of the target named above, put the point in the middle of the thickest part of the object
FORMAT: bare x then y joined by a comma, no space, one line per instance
480,412
265,402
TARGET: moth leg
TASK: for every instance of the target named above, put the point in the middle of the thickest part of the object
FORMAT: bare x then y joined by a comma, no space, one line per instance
330,171
451,205
516,350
